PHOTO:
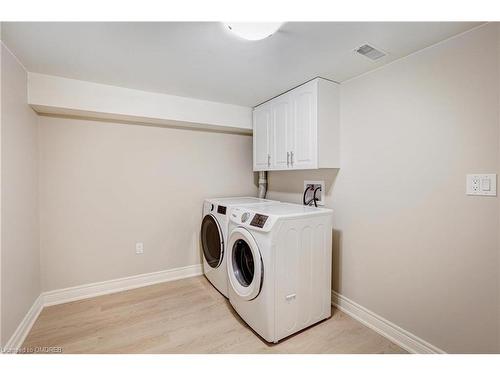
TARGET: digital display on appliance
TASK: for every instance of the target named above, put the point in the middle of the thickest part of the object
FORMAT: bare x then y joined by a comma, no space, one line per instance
221,210
259,220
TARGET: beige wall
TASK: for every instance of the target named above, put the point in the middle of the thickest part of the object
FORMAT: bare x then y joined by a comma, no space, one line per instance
409,244
1,91
498,47
105,186
20,257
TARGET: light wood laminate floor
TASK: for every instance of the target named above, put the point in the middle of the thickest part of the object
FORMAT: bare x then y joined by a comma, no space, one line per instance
184,316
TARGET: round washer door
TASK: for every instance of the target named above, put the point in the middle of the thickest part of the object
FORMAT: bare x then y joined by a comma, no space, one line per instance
244,264
212,241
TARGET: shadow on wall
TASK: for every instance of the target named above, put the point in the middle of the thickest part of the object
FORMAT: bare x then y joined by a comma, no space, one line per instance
288,186
256,179
336,260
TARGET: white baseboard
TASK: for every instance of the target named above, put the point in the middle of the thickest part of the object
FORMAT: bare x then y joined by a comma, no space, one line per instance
22,330
391,331
56,297
396,334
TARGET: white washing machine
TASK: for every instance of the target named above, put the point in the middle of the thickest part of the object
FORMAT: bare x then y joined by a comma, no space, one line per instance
279,267
214,228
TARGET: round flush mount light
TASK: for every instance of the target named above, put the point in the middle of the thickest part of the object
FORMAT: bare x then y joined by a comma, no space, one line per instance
253,30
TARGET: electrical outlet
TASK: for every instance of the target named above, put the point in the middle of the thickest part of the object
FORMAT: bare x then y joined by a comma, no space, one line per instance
481,184
320,194
139,248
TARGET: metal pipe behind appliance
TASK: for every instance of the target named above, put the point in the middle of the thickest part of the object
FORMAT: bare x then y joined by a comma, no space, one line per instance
262,184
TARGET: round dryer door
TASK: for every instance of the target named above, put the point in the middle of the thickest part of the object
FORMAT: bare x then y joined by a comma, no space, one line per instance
212,241
244,264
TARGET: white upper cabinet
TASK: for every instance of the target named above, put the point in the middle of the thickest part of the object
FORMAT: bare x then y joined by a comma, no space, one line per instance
303,140
280,120
301,129
262,138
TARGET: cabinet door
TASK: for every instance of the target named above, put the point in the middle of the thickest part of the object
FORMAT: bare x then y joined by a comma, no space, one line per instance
261,138
303,141
280,125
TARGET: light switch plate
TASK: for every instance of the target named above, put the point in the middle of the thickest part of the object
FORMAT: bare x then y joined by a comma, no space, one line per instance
481,184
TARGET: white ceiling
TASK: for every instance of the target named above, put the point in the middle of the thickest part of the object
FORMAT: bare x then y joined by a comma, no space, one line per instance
202,60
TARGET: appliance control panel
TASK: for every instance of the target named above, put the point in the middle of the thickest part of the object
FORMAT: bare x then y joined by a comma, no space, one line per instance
221,210
251,220
259,220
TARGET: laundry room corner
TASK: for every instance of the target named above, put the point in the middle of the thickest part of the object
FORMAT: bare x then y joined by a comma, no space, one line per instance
227,187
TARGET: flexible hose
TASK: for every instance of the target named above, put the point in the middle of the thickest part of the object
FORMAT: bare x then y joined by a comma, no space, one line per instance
304,196
314,199
314,196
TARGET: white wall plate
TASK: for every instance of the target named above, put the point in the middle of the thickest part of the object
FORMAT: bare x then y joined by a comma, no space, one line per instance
481,184
309,194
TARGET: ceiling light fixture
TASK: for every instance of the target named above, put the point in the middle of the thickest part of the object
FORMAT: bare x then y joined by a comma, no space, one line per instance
253,30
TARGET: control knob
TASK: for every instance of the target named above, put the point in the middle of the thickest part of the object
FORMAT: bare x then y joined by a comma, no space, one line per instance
245,217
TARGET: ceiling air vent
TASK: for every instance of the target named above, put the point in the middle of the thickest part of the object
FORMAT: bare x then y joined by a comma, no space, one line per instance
371,52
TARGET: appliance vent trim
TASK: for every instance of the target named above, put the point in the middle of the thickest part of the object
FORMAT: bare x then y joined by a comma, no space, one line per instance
370,52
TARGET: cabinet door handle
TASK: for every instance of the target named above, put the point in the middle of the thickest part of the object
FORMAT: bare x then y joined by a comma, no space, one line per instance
268,160
291,158
287,159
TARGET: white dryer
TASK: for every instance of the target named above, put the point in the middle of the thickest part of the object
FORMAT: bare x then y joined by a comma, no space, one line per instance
279,267
214,228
